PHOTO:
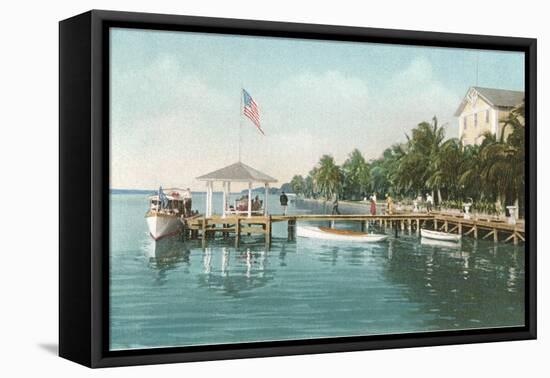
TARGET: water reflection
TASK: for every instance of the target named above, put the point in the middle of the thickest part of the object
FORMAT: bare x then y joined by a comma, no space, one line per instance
167,253
459,284
235,272
176,293
441,280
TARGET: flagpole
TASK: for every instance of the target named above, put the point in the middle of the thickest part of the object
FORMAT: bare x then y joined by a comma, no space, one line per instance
240,121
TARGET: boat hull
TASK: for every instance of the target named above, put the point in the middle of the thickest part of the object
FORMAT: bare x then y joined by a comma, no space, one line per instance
163,225
317,233
437,235
439,243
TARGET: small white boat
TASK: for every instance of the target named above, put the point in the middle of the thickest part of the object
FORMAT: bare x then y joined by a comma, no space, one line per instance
438,235
439,243
326,233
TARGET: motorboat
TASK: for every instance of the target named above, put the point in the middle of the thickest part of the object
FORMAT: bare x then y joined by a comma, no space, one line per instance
327,233
439,235
164,214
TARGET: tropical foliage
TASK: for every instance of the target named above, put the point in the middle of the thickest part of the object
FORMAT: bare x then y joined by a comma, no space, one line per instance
491,174
328,177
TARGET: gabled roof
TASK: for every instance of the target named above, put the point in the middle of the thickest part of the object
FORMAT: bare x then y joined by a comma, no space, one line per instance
500,98
238,172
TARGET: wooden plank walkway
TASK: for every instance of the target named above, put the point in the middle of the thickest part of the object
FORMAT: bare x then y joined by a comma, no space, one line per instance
206,227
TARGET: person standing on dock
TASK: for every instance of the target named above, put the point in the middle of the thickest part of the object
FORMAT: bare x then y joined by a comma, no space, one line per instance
389,204
373,204
429,202
284,202
187,203
335,205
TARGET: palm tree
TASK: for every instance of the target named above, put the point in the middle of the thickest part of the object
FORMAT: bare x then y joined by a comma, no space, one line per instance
516,121
426,140
328,177
411,172
297,184
384,173
503,159
379,176
469,180
450,164
356,174
310,190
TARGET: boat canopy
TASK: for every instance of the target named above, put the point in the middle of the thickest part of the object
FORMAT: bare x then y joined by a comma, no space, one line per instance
170,197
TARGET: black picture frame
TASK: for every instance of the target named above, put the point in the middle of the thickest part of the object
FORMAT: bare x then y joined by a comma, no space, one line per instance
84,190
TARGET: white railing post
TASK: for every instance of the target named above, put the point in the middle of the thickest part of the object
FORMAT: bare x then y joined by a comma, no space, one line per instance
265,199
249,199
224,199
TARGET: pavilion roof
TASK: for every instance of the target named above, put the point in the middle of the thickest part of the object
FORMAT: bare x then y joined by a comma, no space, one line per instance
237,172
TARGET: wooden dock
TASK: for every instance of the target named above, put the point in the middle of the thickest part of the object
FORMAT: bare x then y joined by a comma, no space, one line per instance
204,228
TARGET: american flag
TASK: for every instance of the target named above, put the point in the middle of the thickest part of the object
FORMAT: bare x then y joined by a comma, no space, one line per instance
251,110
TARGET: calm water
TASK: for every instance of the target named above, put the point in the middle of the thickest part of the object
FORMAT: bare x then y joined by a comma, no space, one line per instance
177,294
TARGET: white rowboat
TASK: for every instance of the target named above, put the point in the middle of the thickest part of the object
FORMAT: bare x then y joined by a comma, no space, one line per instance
439,243
438,235
326,233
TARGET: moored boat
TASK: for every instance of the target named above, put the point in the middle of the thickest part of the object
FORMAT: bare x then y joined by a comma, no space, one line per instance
326,233
438,235
439,243
163,216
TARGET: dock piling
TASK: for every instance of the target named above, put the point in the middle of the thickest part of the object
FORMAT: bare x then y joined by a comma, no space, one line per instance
291,228
237,232
268,233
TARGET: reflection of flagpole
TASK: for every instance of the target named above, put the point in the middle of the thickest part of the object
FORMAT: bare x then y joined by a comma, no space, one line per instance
240,121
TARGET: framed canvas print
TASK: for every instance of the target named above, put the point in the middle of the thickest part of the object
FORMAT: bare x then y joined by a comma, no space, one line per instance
234,188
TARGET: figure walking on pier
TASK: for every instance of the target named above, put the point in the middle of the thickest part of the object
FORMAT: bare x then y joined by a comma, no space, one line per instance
429,202
335,205
284,202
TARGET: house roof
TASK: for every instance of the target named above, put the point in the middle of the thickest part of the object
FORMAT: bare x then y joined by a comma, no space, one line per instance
238,172
501,98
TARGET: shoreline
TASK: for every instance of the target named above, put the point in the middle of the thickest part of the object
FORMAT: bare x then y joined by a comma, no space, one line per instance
349,207
352,207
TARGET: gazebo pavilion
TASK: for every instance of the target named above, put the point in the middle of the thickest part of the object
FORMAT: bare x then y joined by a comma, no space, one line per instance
240,173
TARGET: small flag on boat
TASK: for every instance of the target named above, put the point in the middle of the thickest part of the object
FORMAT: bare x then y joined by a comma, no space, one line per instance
163,200
251,110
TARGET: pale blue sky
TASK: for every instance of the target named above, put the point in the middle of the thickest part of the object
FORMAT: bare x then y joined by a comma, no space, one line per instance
175,100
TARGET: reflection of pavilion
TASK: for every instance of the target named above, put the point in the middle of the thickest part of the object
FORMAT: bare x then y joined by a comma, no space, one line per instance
234,272
240,173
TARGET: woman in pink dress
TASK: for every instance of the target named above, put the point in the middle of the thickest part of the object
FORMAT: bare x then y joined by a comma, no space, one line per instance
372,206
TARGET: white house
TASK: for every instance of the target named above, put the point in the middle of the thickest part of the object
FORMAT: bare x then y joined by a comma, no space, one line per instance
482,110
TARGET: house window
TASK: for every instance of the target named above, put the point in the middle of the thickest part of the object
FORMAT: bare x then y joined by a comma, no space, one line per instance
475,120
487,116
465,120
